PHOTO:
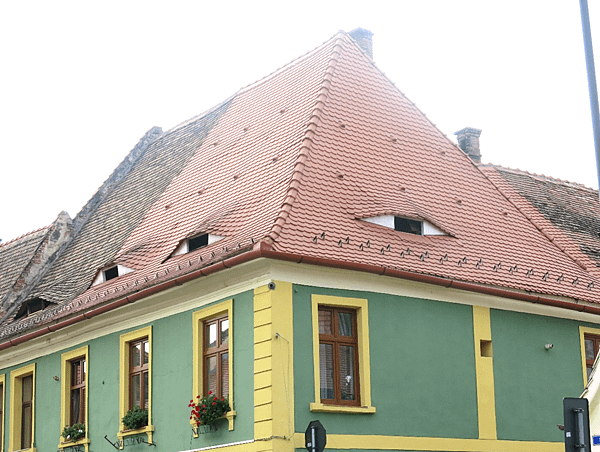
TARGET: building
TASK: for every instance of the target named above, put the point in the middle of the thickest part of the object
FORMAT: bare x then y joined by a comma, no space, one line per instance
311,248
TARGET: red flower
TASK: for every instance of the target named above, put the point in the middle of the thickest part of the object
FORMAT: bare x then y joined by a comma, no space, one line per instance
214,403
197,396
191,417
209,392
215,398
222,400
203,406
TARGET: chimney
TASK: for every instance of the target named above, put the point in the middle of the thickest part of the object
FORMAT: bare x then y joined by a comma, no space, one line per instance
468,141
364,38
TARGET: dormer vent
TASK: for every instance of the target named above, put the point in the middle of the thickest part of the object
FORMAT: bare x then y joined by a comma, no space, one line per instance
32,306
408,225
196,242
111,272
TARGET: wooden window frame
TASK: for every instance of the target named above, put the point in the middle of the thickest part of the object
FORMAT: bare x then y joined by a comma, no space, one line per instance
125,341
198,318
140,370
217,352
585,332
67,360
336,340
2,410
361,308
16,394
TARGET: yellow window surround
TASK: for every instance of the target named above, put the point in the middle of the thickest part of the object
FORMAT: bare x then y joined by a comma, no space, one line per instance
3,383
583,330
16,377
65,396
198,318
124,341
364,360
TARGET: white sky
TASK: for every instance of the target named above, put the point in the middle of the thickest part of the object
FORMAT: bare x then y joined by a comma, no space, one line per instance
81,82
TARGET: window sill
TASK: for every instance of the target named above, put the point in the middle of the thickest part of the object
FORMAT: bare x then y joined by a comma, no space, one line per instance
230,415
140,431
341,408
85,442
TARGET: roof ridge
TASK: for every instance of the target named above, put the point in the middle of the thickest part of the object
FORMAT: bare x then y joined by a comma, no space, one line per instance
280,69
25,235
552,179
300,165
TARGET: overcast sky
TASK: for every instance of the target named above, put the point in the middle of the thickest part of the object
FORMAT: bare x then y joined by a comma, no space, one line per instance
81,82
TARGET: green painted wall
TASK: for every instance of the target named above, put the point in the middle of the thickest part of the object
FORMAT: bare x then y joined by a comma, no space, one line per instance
422,368
530,381
171,387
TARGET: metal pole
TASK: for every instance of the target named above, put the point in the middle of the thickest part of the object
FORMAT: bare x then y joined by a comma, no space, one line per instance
591,75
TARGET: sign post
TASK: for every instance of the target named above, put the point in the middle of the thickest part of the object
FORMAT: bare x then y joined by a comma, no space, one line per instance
577,425
315,437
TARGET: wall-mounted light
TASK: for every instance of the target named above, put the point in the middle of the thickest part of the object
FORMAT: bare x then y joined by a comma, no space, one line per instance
549,346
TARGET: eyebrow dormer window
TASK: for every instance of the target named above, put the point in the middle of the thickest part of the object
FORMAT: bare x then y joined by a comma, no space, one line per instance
112,272
196,242
407,225
31,306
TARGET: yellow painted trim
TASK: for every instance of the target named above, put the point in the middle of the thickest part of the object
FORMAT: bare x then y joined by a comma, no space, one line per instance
380,442
364,357
583,330
124,341
15,400
65,405
82,442
484,370
3,383
341,409
198,317
274,366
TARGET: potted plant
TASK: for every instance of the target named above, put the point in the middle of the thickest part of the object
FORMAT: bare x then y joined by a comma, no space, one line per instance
208,409
135,418
73,433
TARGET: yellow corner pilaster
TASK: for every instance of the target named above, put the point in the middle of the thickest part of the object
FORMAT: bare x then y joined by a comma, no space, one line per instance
273,368
484,369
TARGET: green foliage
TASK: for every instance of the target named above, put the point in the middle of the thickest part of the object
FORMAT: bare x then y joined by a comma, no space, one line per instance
208,409
135,418
74,433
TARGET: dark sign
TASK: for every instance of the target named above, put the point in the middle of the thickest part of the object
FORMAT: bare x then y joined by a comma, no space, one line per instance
577,425
315,437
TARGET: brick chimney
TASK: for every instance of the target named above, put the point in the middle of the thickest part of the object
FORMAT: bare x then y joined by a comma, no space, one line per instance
468,141
364,38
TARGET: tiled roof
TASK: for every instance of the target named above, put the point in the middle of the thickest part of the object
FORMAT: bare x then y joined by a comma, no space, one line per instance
291,164
567,212
15,255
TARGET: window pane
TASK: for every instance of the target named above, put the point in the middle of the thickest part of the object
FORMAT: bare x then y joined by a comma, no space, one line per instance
136,355
211,374
345,323
75,406
146,390
326,370
325,322
27,388
225,375
224,332
26,427
589,349
135,391
347,372
211,335
146,351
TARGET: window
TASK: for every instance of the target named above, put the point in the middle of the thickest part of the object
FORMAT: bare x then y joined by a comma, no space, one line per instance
341,354
410,226
135,373
590,345
74,394
196,242
338,356
112,272
216,356
31,306
213,353
139,354
22,404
